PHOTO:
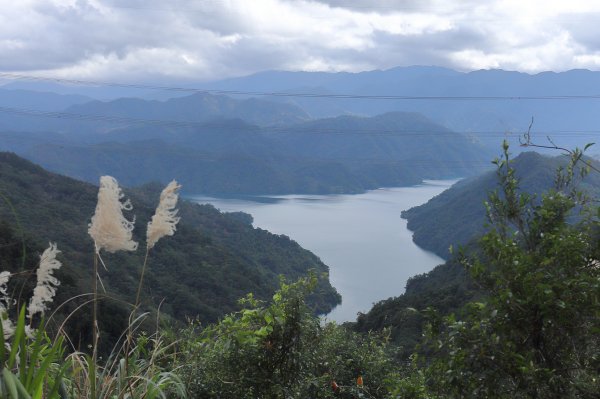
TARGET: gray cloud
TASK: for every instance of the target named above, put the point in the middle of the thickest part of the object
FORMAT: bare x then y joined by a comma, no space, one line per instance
153,39
381,6
583,29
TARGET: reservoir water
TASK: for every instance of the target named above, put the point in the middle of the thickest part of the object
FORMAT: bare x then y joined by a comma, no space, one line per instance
361,237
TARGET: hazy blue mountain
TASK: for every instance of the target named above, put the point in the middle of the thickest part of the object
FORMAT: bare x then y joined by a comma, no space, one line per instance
83,118
36,101
339,82
93,91
457,215
392,136
198,107
43,101
487,120
569,122
339,155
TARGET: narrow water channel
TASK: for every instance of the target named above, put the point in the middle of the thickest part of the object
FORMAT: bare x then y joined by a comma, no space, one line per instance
360,237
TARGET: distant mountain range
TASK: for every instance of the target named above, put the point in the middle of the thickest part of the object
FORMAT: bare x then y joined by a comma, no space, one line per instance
346,154
81,116
317,133
36,100
506,110
457,215
491,104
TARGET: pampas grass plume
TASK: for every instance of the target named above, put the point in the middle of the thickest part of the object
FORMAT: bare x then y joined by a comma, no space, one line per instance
4,277
45,289
109,228
165,219
7,326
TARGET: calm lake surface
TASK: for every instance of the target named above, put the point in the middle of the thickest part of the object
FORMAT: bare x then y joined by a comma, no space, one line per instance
360,237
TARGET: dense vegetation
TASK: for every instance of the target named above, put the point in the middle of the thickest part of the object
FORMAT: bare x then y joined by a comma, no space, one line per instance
535,334
202,271
529,330
458,215
515,315
280,350
346,154
446,288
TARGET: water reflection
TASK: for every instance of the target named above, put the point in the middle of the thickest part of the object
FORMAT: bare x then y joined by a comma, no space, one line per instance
361,237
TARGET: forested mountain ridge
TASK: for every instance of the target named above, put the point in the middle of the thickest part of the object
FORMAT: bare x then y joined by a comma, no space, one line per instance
202,271
506,104
446,288
199,107
339,155
457,215
507,99
80,116
403,143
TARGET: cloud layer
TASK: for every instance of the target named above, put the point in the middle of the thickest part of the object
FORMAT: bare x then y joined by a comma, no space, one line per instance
137,40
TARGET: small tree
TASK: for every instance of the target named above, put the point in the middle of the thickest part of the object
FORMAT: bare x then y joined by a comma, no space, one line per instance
537,333
282,350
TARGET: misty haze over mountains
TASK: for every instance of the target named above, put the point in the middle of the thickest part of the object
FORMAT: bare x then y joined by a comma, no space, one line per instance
318,133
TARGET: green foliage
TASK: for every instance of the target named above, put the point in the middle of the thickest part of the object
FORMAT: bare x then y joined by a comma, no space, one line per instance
34,366
135,371
234,157
457,216
345,355
31,363
200,272
409,383
536,334
281,350
446,288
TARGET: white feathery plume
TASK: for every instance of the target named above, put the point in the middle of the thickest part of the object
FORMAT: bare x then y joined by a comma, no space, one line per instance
4,276
109,228
165,219
45,289
7,324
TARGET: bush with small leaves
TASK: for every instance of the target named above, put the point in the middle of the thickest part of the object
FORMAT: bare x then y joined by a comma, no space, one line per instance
536,334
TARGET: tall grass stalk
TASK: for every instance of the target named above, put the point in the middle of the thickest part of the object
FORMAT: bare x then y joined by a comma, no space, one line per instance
34,366
95,322
139,290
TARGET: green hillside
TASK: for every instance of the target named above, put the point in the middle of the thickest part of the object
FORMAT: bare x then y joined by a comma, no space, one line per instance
446,288
455,217
458,214
213,260
347,154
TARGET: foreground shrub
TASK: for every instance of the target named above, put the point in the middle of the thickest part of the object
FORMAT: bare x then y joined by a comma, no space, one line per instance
31,363
536,335
34,366
136,370
281,350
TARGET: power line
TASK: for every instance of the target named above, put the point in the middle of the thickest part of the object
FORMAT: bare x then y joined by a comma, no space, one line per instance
280,130
98,118
296,161
299,95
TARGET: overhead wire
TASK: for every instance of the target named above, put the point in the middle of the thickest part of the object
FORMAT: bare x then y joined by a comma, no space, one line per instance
8,75
114,119
294,129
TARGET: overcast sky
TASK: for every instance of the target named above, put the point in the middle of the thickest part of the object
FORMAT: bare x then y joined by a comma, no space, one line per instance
159,40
